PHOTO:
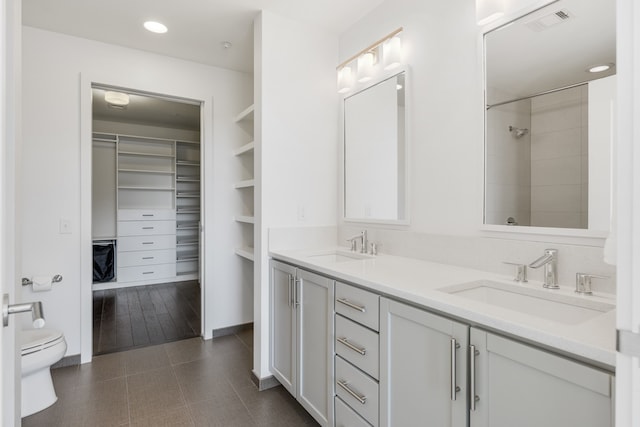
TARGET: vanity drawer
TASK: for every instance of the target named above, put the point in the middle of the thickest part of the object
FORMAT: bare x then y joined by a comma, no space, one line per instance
352,340
136,258
146,272
358,304
358,390
145,228
146,214
347,417
144,243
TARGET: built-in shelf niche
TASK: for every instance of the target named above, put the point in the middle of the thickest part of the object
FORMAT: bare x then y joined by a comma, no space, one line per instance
244,161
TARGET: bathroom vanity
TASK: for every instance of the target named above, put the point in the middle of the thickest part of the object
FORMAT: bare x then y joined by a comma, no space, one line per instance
392,341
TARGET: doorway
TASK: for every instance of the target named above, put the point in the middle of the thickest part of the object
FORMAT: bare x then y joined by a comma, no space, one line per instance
146,210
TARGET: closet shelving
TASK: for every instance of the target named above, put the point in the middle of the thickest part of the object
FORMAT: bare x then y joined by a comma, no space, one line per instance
187,184
245,185
152,210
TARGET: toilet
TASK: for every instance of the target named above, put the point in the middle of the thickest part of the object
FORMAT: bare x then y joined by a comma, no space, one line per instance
40,348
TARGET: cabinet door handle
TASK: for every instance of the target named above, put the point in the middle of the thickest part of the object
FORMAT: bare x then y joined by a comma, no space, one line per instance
472,374
345,386
345,341
454,368
290,297
296,289
348,303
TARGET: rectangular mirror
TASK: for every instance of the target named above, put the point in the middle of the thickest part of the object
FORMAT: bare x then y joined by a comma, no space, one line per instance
375,166
549,117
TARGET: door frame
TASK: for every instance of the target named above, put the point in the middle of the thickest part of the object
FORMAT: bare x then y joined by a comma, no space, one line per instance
162,89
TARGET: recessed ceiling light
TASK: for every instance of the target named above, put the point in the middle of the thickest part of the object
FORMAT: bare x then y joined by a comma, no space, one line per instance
155,27
599,68
116,98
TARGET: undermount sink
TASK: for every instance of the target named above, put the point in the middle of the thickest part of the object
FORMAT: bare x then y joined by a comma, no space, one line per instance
536,302
337,256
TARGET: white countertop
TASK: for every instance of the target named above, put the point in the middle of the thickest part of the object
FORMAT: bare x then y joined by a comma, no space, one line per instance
417,282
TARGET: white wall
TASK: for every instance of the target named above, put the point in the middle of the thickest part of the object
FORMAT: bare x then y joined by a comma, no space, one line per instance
54,66
296,134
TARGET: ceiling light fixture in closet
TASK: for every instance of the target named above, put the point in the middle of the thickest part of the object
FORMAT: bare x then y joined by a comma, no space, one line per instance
117,99
155,27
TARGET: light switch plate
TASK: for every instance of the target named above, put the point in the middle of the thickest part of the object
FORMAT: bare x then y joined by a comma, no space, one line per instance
65,226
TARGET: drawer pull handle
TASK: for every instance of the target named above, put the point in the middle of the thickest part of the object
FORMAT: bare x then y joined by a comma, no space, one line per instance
348,303
357,396
147,228
147,243
147,272
148,257
357,349
148,215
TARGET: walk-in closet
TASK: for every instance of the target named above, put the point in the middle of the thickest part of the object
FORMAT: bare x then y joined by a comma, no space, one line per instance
146,211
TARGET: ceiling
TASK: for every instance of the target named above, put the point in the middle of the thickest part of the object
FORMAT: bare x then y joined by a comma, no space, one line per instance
522,59
197,28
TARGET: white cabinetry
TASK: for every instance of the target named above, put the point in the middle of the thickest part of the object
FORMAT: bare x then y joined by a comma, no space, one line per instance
519,385
188,209
301,337
423,367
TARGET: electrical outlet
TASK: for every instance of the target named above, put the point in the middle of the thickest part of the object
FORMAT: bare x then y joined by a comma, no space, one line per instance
65,226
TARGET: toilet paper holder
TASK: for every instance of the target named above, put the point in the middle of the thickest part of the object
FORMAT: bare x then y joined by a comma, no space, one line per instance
26,281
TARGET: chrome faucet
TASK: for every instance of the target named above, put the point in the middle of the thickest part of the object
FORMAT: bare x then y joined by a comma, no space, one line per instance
363,238
550,262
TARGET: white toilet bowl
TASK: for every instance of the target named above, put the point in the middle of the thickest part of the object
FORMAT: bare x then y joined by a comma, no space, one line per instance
41,348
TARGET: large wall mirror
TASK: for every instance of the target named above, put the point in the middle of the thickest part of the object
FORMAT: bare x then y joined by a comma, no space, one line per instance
549,117
375,164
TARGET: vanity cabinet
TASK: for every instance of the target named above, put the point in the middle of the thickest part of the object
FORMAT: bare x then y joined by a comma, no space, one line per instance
519,385
423,368
302,337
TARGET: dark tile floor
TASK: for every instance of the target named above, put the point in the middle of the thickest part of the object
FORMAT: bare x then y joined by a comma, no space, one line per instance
140,316
182,383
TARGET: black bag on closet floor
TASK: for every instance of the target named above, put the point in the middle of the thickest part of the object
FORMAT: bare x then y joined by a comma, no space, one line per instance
103,262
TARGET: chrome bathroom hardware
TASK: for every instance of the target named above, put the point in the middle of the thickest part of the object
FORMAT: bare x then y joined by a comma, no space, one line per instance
454,381
374,249
520,274
26,281
358,397
348,303
583,282
345,341
37,314
550,262
363,239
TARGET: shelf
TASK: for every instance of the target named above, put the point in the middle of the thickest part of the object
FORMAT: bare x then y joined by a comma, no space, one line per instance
188,179
187,226
187,258
245,149
195,210
187,242
147,171
187,195
137,153
245,184
247,114
122,187
246,253
187,142
187,163
246,219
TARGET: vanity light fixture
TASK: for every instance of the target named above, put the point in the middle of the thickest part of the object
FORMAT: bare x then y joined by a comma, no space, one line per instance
387,51
488,11
392,53
155,27
345,79
118,99
365,67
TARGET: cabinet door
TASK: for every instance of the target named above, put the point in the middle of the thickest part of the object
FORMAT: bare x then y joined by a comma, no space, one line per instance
519,385
423,369
314,299
283,325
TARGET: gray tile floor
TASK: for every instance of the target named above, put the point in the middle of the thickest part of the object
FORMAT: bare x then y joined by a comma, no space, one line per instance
183,383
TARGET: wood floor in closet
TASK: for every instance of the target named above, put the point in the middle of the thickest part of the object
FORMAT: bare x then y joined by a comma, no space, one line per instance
141,316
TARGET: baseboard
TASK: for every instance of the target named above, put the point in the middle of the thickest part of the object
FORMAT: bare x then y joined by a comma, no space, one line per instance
67,361
230,330
264,383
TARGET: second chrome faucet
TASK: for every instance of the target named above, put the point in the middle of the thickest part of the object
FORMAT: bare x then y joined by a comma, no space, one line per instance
363,238
550,263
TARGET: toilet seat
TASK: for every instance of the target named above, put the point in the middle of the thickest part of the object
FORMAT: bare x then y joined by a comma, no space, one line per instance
34,340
